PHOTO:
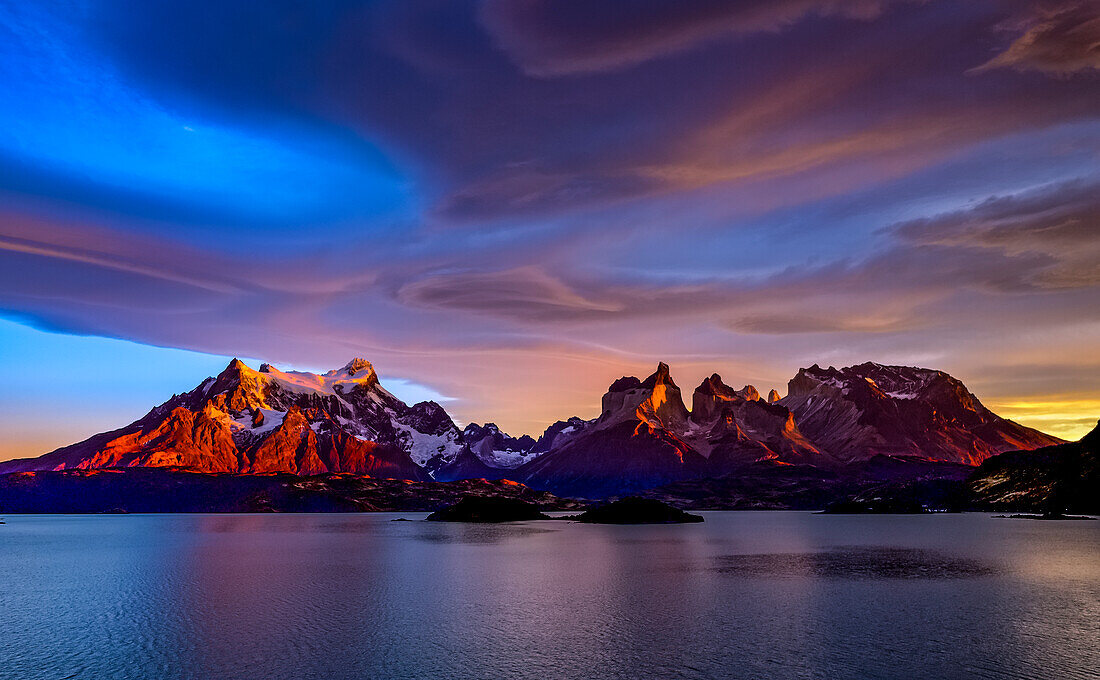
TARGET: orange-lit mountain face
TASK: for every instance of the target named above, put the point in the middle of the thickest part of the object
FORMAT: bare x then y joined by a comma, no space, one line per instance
634,443
267,420
245,420
860,411
645,437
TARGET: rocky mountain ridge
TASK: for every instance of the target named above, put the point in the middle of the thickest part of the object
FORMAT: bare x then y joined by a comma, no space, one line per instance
870,409
344,421
266,420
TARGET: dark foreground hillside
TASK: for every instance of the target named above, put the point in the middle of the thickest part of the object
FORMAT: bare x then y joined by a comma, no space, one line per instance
134,490
764,486
1054,479
770,486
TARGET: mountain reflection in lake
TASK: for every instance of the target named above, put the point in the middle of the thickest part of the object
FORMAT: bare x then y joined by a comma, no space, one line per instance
744,595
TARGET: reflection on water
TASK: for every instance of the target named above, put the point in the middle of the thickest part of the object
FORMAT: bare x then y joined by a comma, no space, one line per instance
855,562
744,595
456,532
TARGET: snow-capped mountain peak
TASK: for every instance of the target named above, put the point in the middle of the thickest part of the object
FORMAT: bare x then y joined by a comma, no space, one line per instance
246,420
358,365
358,373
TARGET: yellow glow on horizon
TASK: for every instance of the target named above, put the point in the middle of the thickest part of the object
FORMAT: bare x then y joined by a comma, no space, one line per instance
1068,418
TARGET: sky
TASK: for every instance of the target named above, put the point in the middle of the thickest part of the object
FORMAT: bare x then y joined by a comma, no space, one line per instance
507,204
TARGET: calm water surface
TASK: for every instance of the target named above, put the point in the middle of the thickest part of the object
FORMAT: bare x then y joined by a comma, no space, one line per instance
744,595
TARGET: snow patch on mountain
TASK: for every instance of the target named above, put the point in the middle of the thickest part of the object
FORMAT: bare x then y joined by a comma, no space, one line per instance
505,459
271,420
423,447
336,382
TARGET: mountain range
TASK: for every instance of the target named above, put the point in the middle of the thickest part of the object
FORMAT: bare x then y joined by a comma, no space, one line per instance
247,421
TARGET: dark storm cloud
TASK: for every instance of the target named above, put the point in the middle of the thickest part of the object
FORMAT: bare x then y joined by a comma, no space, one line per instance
428,82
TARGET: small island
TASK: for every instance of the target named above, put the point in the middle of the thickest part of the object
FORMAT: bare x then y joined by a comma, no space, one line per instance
634,510
631,510
488,510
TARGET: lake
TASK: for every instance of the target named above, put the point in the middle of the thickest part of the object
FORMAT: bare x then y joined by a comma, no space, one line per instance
743,595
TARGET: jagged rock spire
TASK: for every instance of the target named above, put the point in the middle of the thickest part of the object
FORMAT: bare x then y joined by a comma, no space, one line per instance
712,393
358,365
660,377
655,401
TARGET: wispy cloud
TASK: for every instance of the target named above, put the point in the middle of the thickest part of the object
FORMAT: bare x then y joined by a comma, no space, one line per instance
1058,38
549,38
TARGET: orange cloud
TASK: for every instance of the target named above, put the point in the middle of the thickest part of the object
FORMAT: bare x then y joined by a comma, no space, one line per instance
1058,38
